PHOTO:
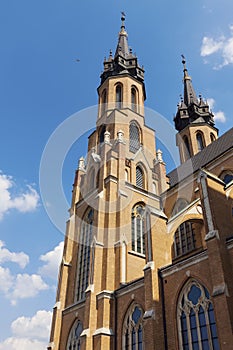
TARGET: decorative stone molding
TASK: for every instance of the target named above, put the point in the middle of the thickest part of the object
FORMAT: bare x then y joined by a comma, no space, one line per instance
103,331
120,136
81,164
107,137
220,289
149,265
212,234
57,305
149,314
104,294
90,288
85,333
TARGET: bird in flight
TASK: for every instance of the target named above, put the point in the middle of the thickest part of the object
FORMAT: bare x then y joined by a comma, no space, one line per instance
77,60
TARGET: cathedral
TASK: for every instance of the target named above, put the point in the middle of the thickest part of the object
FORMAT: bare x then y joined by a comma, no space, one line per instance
148,255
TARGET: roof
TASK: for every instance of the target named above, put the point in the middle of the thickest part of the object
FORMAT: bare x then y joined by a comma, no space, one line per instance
201,159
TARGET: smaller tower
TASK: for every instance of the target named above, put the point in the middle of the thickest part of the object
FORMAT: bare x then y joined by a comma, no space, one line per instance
194,121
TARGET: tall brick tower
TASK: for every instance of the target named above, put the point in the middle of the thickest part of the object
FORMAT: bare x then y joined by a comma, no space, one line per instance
115,198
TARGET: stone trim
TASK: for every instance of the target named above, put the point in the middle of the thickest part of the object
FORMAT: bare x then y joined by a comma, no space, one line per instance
85,332
150,265
211,234
57,305
105,294
167,271
149,314
220,289
103,331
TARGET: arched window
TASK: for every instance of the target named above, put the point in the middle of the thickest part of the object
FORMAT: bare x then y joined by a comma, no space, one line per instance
132,329
212,137
140,181
133,99
83,265
126,175
186,147
92,179
74,340
184,239
134,137
138,229
196,321
101,134
104,101
226,176
154,188
200,142
118,96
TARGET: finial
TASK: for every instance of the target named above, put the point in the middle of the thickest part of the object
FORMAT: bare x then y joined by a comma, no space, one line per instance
123,18
183,60
110,53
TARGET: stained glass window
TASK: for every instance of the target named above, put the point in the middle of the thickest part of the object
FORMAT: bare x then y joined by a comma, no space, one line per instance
196,322
133,330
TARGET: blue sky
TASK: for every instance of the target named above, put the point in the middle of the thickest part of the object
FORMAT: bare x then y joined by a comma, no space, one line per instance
42,84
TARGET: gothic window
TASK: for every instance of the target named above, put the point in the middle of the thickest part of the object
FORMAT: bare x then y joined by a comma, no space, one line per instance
84,249
133,99
186,147
118,96
196,321
184,239
74,340
104,101
126,175
92,179
212,137
138,229
101,134
132,329
200,142
134,137
140,177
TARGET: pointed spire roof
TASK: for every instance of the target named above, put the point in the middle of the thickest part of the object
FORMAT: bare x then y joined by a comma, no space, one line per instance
122,46
189,92
124,61
191,110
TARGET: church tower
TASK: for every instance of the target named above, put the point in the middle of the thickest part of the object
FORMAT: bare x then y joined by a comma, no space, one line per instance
111,239
194,121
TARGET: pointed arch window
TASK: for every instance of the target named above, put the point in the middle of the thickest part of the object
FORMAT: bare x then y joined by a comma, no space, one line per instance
184,239
132,329
134,137
101,134
187,147
74,339
200,142
134,99
138,229
212,137
103,101
196,321
83,265
119,96
140,181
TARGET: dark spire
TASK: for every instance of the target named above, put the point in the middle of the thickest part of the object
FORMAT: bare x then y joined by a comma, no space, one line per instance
124,61
122,46
191,109
189,92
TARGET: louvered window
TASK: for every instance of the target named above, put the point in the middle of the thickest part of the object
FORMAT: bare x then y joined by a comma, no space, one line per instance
134,138
139,177
200,143
84,249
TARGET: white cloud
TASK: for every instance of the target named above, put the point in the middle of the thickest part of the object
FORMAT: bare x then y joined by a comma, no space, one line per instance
21,258
36,327
222,45
25,202
52,260
219,115
20,286
22,343
29,332
6,280
210,45
27,286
